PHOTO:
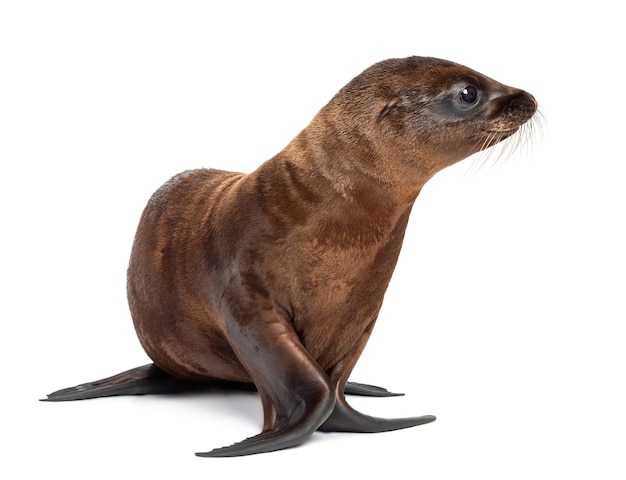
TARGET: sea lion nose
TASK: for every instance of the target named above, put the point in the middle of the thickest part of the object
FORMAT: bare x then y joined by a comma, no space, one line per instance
524,100
522,104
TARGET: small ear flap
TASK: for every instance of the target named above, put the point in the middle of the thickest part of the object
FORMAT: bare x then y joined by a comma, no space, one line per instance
388,108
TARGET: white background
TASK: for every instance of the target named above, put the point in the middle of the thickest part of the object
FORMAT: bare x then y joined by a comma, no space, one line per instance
505,317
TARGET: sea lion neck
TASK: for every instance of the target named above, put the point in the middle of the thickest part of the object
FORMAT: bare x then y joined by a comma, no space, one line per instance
348,159
333,203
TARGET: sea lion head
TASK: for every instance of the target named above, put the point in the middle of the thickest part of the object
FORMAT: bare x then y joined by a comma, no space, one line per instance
423,114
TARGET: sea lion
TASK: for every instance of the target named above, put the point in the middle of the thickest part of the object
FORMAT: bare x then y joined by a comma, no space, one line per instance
275,278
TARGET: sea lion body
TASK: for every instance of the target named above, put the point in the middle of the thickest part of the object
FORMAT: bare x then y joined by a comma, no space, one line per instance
276,277
240,245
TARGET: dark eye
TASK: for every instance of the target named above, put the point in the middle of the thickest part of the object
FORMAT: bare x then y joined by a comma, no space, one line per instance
469,94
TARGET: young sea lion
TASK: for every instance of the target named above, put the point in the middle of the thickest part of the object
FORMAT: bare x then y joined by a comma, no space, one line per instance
276,278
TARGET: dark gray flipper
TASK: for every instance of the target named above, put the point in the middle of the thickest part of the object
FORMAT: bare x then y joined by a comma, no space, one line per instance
138,381
150,379
346,419
362,389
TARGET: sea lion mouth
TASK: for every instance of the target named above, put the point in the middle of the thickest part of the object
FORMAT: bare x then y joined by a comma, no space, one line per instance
506,141
503,131
493,137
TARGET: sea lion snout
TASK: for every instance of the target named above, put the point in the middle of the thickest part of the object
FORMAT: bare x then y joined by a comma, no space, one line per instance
511,111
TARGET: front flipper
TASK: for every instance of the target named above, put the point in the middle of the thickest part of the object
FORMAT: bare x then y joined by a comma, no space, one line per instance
296,394
138,381
346,419
284,436
362,389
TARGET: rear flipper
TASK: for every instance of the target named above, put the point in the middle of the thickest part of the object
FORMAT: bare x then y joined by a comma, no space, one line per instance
150,379
138,381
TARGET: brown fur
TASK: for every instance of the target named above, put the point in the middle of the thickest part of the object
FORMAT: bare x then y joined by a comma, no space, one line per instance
277,277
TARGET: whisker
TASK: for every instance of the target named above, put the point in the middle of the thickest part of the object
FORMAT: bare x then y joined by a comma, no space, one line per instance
481,158
492,148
